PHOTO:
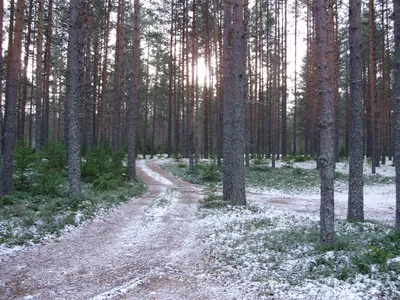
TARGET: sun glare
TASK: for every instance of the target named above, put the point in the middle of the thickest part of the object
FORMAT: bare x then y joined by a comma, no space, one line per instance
202,72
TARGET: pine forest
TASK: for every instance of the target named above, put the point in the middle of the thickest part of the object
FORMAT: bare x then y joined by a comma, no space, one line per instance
93,90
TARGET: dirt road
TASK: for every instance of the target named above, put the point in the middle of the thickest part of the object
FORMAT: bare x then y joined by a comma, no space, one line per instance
144,249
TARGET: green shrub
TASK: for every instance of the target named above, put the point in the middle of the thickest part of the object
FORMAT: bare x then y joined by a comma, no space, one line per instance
24,157
210,172
96,163
46,179
212,199
107,182
56,154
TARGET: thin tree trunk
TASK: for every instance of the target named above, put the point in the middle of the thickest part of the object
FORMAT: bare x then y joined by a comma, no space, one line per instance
372,89
21,123
154,119
294,151
39,79
119,64
284,81
47,69
396,7
146,108
104,79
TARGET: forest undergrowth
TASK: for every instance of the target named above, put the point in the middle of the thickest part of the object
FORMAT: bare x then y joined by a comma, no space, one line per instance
275,253
40,206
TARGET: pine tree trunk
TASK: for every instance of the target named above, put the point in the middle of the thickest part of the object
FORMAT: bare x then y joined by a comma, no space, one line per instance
234,103
146,110
133,106
327,148
11,100
21,123
294,150
88,91
396,7
284,81
75,67
104,79
372,89
356,198
118,80
171,72
39,79
47,69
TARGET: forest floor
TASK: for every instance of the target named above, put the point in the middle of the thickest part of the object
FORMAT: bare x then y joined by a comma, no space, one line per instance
162,246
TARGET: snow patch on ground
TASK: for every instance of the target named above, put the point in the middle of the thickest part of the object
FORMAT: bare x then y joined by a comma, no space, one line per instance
156,176
236,257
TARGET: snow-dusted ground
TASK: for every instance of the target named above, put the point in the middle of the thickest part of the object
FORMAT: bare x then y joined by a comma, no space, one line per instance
379,200
161,246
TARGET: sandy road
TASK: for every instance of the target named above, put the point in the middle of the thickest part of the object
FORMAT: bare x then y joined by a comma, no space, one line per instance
144,249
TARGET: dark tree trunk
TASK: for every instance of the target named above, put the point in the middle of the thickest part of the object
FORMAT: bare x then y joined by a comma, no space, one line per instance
11,101
47,69
146,110
372,88
284,81
21,124
88,90
1,78
396,6
118,79
171,73
104,79
327,147
356,198
234,103
39,78
75,66
133,106
294,150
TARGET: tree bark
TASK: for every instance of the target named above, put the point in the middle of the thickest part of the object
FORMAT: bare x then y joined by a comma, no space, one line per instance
47,69
396,7
134,96
356,199
11,101
21,124
103,136
75,66
39,78
327,148
234,103
372,89
118,80
88,91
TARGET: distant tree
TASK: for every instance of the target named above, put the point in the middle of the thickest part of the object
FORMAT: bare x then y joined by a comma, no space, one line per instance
47,72
327,148
356,198
24,97
39,78
396,7
75,69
